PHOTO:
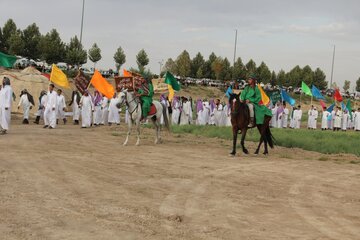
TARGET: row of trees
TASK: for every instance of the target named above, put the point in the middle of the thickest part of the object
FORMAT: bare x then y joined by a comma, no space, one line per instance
32,44
216,67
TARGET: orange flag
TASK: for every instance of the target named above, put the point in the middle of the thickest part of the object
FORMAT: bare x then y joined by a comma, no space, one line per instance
264,98
127,74
100,83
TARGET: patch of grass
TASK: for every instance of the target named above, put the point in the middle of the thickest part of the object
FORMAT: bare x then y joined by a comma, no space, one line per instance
323,158
354,162
285,155
327,142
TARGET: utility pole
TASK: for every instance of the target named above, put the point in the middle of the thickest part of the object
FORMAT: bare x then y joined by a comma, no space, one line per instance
235,47
160,63
332,67
82,21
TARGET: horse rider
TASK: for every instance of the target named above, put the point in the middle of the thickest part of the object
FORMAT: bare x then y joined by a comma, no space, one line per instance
251,96
145,90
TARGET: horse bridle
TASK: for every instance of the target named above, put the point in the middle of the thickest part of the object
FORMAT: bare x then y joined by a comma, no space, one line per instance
127,103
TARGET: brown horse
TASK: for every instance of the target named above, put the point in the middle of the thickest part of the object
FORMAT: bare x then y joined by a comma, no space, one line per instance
240,118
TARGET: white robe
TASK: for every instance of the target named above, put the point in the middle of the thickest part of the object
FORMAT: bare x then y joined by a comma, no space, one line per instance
273,119
297,118
60,113
357,121
292,120
105,110
206,112
5,102
41,108
227,112
199,119
185,113
76,109
50,109
345,118
164,103
25,103
337,121
285,118
175,113
310,119
324,119
114,116
212,117
218,115
315,115
87,107
97,115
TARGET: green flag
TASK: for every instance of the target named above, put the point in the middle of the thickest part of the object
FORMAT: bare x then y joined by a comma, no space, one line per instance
7,60
305,89
348,106
171,80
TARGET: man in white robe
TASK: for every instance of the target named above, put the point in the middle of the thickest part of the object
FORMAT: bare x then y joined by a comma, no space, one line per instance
315,115
105,110
310,117
324,119
50,108
87,108
292,120
338,118
97,115
75,101
357,120
61,105
285,116
297,117
185,113
206,112
345,119
42,101
273,122
26,104
6,93
114,116
175,111
218,113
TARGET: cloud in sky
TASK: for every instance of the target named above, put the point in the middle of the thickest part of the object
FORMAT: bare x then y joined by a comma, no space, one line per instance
280,32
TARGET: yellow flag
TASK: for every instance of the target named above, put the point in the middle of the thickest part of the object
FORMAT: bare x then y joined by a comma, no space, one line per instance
264,98
171,92
58,77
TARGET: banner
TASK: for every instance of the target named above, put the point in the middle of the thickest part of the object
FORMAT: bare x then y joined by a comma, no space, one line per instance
159,85
81,82
274,96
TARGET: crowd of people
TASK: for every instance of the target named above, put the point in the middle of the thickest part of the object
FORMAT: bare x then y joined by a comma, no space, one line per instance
96,109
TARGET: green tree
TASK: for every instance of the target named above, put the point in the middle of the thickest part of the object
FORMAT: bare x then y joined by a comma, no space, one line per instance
16,44
208,71
239,71
226,71
51,47
307,75
294,77
263,73
75,53
31,36
170,66
183,64
273,80
217,67
282,78
250,67
197,63
346,85
358,85
142,60
320,79
94,54
8,30
119,58
1,41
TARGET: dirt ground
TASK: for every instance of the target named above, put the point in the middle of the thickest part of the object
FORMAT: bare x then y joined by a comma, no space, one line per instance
72,183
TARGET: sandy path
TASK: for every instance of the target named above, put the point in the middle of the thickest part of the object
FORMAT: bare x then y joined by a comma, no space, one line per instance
88,186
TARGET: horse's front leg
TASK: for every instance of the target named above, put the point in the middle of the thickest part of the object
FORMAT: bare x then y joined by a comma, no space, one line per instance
128,132
138,132
157,131
235,133
243,135
265,146
260,142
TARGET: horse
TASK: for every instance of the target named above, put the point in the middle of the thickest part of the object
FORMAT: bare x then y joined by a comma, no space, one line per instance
240,119
133,104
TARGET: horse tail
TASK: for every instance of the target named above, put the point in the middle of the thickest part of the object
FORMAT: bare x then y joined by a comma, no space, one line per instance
166,120
269,137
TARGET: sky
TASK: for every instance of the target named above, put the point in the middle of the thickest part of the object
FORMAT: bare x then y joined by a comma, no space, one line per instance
282,33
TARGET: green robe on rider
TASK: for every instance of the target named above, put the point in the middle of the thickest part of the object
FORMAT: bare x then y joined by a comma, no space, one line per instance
146,93
251,94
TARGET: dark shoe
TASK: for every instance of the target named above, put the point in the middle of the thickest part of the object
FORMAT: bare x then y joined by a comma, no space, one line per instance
46,126
37,120
51,127
64,121
57,121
